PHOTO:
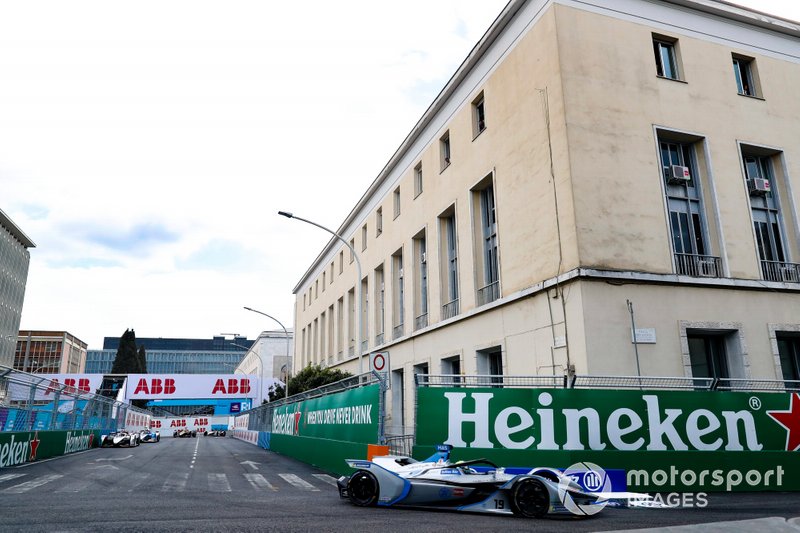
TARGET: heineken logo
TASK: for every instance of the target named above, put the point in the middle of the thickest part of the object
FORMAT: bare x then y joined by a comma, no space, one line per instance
16,452
78,443
646,422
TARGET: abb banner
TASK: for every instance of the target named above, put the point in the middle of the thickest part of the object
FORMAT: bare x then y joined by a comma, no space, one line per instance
190,386
47,385
201,424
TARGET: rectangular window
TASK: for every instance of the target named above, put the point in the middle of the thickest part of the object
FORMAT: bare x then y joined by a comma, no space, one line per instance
331,329
708,356
352,250
789,352
486,239
449,254
444,150
478,116
421,276
451,366
340,328
396,198
744,74
341,261
351,322
665,50
398,288
364,238
316,289
418,180
331,278
490,363
365,315
379,222
323,281
380,306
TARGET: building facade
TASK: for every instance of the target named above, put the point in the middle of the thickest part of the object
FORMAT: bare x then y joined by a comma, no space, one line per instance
218,355
592,168
269,356
49,352
14,261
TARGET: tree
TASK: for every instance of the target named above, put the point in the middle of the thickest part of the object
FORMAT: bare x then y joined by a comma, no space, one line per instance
141,357
126,360
310,377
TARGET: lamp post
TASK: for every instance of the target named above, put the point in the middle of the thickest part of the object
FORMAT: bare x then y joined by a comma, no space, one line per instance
360,332
286,334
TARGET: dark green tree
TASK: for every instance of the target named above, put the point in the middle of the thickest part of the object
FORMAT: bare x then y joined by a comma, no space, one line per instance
141,358
310,377
127,360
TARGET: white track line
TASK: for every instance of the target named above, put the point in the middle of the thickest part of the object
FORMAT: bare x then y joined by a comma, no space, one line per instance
297,482
32,484
330,480
259,482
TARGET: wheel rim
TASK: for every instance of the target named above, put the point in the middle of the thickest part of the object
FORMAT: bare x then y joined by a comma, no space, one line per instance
531,498
363,489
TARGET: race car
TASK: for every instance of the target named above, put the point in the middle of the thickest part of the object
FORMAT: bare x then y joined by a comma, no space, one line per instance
216,433
119,439
148,435
438,483
183,432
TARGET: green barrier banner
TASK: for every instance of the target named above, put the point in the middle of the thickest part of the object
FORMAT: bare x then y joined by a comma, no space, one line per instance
667,439
17,448
350,416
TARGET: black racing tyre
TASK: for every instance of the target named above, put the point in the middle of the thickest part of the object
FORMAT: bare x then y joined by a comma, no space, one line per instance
530,498
362,489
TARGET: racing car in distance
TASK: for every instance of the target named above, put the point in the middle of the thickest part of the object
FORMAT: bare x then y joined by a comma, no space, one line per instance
183,432
119,439
438,483
216,433
148,435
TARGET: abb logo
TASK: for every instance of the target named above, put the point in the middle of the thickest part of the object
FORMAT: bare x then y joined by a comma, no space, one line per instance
70,384
155,386
201,421
178,424
234,386
155,423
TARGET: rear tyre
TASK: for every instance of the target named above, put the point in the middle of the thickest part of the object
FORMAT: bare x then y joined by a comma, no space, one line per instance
363,489
530,498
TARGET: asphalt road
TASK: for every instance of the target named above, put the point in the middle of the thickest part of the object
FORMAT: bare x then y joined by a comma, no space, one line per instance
222,484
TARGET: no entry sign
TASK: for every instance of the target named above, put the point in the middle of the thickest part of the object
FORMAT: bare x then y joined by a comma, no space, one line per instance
379,361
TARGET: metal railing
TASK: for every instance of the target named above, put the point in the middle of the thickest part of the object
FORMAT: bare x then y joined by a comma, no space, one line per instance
33,402
421,321
489,293
400,444
397,331
379,339
698,266
450,309
781,271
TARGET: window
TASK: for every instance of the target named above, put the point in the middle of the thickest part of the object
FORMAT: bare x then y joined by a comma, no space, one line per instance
398,399
789,352
444,150
364,238
449,242
398,290
323,281
378,222
340,328
331,329
766,213
341,261
451,366
421,276
351,321
364,315
352,250
316,289
304,301
665,50
684,203
380,303
396,198
418,180
486,243
478,116
331,278
708,355
744,74
490,363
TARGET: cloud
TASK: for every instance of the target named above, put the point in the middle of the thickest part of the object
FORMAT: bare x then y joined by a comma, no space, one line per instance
136,238
83,262
220,255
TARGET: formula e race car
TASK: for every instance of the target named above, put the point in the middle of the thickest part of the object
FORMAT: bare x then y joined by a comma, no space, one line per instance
148,435
119,439
438,483
183,432
216,433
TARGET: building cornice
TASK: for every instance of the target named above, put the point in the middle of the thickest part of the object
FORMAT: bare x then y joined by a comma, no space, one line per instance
14,230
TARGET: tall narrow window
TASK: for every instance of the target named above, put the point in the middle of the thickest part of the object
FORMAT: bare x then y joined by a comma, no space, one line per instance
449,240
486,240
708,356
444,150
352,249
351,322
666,57
365,314
341,261
418,180
789,352
744,74
398,293
340,328
684,203
478,116
331,330
323,281
421,275
380,309
364,238
767,223
379,221
396,198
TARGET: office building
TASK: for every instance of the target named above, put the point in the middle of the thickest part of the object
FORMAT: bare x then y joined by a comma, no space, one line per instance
14,261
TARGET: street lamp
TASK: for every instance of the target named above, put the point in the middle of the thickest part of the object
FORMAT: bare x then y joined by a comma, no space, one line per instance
360,332
260,366
286,334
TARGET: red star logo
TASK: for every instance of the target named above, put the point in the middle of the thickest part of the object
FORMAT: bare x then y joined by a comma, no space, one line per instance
91,439
297,417
791,421
34,442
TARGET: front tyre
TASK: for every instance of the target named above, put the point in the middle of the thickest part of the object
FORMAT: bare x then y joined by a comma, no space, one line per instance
530,498
362,489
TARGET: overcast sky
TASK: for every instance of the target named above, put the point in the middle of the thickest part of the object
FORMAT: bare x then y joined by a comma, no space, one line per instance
146,147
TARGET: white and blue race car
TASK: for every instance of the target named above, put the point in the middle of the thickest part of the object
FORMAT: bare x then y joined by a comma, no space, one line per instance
438,483
148,435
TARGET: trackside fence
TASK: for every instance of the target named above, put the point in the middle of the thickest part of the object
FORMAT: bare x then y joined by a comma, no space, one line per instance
665,433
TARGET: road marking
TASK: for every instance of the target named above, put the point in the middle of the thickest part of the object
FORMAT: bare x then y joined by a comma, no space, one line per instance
218,483
259,482
114,458
176,482
194,456
32,484
251,464
9,477
297,482
330,480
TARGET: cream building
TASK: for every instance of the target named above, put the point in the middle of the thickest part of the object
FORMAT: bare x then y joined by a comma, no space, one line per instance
591,166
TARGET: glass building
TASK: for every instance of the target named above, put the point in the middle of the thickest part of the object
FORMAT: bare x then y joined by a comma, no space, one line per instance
14,261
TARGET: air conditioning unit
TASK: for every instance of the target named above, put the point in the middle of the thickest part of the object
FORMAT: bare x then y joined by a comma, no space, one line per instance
678,174
758,186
